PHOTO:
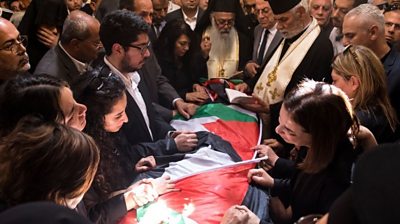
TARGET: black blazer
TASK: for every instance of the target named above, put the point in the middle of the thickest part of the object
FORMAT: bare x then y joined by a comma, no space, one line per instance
136,129
57,63
177,14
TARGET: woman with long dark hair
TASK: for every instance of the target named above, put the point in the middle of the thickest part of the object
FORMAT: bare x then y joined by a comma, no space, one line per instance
175,49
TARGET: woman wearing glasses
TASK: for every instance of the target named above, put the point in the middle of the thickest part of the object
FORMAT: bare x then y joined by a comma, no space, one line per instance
360,74
174,50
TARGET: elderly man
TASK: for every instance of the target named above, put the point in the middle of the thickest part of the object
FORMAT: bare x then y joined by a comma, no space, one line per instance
13,57
305,52
321,10
224,24
160,8
364,25
190,12
79,45
266,39
340,9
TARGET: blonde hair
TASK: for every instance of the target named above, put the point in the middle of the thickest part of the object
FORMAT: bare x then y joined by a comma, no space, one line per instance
361,62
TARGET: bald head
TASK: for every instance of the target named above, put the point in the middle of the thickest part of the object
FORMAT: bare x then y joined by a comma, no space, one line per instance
80,36
13,56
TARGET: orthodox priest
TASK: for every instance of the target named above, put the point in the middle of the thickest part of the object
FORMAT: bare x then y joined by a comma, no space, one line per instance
224,26
303,53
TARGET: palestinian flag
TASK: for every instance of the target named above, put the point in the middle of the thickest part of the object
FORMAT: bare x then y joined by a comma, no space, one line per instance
204,197
211,181
238,126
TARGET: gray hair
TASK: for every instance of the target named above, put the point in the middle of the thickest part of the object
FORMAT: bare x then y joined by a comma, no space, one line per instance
305,4
370,14
74,28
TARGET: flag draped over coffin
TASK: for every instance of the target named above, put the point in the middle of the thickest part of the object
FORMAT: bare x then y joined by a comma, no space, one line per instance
237,126
206,194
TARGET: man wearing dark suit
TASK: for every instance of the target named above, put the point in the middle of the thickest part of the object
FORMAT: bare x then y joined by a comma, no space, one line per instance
266,39
106,7
160,8
125,40
190,12
79,45
164,96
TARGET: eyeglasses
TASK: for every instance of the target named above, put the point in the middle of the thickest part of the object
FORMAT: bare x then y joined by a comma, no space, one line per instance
390,7
223,22
383,6
142,49
14,45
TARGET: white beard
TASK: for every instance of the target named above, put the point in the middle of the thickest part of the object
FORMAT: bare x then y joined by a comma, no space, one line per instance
224,50
222,44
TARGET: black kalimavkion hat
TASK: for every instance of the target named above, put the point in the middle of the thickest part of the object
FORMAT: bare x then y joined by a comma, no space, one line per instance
282,6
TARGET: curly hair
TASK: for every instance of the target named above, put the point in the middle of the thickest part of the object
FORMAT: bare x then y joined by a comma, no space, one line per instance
102,92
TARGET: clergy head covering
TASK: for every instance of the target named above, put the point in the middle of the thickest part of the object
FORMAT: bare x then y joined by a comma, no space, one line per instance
232,6
224,5
375,189
282,6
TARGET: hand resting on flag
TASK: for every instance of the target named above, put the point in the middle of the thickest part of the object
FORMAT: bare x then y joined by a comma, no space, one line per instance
147,190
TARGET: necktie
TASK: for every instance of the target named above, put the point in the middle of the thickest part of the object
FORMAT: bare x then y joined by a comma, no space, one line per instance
260,56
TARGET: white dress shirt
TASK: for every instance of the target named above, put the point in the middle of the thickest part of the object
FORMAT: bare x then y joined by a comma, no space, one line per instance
131,83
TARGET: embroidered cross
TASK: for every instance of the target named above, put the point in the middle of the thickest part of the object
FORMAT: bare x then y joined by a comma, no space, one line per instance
272,76
274,93
221,73
259,87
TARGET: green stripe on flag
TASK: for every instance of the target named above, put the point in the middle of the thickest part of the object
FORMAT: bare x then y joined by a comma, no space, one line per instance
221,111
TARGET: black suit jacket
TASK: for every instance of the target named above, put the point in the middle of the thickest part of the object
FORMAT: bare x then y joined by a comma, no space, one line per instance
136,130
57,63
270,49
392,70
161,93
177,14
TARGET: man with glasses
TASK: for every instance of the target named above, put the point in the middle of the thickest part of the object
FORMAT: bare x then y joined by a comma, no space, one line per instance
126,43
79,45
365,25
225,25
13,57
340,9
266,39
166,100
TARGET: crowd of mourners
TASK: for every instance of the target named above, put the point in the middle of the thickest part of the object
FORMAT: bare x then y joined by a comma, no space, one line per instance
88,90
